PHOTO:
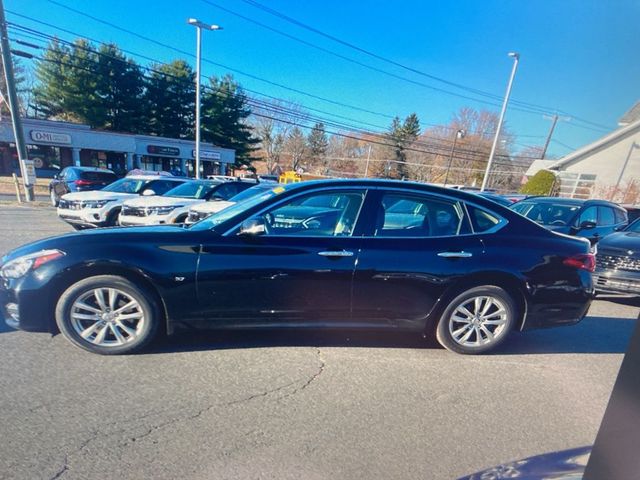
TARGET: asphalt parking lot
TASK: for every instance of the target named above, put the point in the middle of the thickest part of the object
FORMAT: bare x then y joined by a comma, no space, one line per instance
313,405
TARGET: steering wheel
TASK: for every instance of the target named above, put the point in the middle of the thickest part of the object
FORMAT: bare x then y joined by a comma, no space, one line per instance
560,223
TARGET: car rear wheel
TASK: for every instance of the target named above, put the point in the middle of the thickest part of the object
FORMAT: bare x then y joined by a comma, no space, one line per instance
477,320
108,315
54,198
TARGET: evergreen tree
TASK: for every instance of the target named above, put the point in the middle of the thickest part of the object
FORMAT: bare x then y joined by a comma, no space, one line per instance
169,100
401,135
120,85
224,118
318,143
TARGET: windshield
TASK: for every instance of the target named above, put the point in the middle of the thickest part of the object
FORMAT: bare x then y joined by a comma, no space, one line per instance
195,190
547,213
126,185
634,227
250,192
236,209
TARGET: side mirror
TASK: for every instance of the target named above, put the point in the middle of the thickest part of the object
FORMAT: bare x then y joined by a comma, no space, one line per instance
252,226
587,225
148,192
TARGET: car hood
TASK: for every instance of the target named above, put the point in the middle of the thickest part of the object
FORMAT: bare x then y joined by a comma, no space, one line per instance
158,201
621,241
100,236
212,207
560,465
97,195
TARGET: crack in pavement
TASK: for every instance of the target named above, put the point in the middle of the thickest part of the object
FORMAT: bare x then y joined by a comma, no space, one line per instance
95,434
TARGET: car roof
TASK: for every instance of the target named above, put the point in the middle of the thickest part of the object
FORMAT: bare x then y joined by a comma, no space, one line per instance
157,177
569,201
92,169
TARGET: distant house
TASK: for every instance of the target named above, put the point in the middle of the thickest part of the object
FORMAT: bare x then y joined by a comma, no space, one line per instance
607,168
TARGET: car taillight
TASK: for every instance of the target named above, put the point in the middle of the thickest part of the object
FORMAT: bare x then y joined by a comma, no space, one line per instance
585,261
83,183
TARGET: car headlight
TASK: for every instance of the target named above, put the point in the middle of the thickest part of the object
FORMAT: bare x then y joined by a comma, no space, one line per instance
19,267
96,203
163,210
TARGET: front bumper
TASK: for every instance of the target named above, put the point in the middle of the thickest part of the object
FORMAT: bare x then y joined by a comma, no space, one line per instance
87,217
24,307
131,221
617,281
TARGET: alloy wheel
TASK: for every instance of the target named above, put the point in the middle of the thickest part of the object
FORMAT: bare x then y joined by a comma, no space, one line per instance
478,321
107,317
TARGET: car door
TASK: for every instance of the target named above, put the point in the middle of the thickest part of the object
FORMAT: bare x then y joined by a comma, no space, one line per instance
416,245
297,270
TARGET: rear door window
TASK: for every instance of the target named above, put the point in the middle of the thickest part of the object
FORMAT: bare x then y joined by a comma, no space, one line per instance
482,220
606,216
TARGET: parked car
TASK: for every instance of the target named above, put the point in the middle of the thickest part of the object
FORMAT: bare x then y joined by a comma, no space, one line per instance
202,210
591,219
173,206
461,268
100,208
633,211
79,179
618,262
502,200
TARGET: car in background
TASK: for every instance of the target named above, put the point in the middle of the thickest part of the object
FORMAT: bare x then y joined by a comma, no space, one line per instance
202,210
370,254
173,206
633,211
79,179
100,208
618,262
591,219
502,200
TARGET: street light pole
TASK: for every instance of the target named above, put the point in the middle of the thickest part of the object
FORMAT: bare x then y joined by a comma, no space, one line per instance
516,59
459,135
199,26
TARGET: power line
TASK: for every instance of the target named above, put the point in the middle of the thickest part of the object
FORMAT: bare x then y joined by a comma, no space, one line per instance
270,106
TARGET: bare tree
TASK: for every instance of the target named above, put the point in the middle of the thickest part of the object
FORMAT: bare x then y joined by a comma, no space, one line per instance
296,146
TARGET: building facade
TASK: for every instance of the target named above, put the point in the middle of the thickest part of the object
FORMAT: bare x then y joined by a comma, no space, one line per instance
53,145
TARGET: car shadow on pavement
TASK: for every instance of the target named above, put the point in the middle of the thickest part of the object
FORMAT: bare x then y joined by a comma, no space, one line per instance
593,335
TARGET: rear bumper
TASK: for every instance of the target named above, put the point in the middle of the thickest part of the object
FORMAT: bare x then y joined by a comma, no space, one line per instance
616,281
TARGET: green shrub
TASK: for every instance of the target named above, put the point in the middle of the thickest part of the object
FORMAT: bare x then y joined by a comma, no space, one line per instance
540,184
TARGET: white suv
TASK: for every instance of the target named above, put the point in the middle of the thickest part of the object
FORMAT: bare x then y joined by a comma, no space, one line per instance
203,210
173,206
100,208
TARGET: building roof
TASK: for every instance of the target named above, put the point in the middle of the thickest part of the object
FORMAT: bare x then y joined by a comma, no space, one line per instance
631,115
599,144
538,165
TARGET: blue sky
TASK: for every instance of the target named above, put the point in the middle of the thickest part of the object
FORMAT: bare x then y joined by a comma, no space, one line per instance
577,56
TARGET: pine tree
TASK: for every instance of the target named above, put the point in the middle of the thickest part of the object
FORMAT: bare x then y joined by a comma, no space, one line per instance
169,100
224,118
318,144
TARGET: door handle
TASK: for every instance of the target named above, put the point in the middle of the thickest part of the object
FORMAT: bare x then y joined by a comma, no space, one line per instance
335,253
455,254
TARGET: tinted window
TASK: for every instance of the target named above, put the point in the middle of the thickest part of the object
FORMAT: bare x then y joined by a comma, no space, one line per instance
621,216
125,185
160,187
228,190
546,213
191,190
69,174
298,218
408,215
588,215
482,220
98,176
250,192
606,216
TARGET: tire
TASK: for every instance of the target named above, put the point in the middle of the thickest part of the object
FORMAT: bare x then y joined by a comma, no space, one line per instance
112,218
96,326
54,198
460,330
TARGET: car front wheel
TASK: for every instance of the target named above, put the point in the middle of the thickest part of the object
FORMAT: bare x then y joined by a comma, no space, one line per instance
477,320
108,315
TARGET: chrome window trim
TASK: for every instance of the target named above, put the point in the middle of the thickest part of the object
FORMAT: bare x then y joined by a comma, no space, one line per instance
357,189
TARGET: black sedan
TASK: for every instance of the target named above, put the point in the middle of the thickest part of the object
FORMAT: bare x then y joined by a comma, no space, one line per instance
368,254
618,262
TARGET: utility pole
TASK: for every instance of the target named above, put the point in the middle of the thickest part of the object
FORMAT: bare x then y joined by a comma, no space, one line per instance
14,108
516,59
554,120
366,169
459,135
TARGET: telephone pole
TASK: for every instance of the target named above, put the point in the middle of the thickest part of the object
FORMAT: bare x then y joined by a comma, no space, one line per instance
14,107
554,120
